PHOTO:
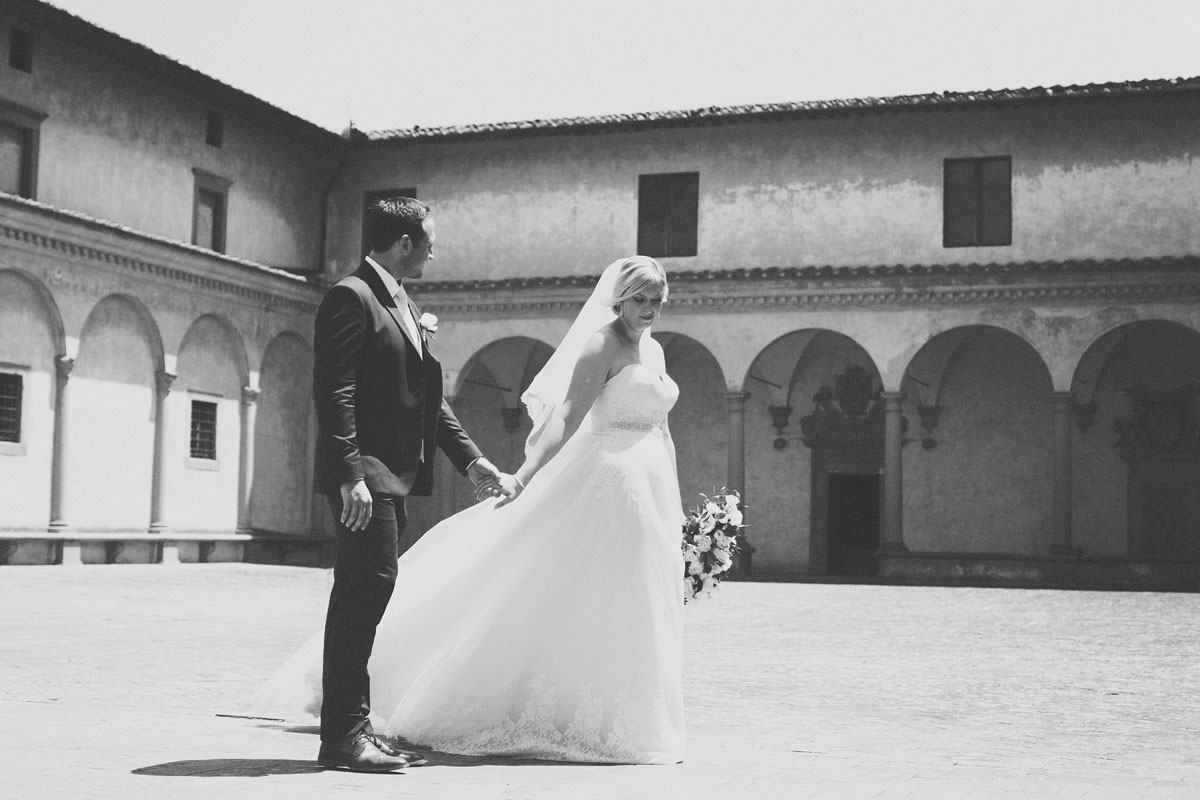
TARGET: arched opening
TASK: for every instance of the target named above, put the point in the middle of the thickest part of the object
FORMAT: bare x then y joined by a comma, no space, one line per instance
814,442
31,338
111,419
280,497
487,402
978,472
1137,443
698,422
205,403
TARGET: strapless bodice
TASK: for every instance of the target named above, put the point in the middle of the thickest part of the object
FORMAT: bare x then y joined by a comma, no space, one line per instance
636,398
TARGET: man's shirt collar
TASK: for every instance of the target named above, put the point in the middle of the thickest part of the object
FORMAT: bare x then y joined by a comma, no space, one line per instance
393,288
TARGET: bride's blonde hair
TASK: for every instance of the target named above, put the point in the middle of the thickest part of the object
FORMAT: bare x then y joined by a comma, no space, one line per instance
637,275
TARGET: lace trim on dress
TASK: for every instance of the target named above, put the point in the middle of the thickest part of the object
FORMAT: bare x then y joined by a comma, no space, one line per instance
534,733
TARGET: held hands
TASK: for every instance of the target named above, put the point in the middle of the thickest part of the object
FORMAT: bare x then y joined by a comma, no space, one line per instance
356,505
491,482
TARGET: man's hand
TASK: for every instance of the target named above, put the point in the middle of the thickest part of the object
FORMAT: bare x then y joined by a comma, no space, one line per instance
486,478
356,505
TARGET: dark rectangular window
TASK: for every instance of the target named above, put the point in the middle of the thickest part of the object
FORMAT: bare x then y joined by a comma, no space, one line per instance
19,129
209,211
20,50
11,388
377,194
668,214
14,157
204,430
214,129
977,202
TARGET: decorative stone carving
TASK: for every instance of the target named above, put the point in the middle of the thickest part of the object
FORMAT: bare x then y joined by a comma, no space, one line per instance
1163,425
779,421
850,414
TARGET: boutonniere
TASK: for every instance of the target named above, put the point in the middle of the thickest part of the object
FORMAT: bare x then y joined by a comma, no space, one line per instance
429,323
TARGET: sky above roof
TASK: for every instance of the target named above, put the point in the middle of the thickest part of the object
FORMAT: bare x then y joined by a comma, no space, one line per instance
387,64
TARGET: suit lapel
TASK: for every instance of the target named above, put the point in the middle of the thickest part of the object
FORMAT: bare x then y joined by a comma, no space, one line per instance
369,275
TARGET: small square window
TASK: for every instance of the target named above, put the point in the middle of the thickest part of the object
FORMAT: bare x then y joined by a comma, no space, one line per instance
204,430
214,129
378,194
668,214
11,389
977,202
20,50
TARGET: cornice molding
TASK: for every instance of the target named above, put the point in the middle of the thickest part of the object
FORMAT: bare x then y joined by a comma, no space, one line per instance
743,290
292,287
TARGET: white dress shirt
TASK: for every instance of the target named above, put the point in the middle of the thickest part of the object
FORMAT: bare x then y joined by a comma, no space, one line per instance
401,297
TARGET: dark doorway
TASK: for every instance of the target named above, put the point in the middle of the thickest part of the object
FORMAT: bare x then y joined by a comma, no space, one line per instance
853,524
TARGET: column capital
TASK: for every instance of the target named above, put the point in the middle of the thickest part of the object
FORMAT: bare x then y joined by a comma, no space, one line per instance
63,366
1063,400
735,400
891,400
164,381
250,395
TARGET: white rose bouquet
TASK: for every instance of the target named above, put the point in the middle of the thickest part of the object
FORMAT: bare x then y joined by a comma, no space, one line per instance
709,541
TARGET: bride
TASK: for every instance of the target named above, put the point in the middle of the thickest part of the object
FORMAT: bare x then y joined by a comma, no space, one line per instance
549,624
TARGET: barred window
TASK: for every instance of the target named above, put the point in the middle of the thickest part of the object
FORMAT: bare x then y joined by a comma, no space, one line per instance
11,388
204,430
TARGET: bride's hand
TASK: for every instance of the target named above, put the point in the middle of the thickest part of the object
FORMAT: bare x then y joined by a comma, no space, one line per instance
510,487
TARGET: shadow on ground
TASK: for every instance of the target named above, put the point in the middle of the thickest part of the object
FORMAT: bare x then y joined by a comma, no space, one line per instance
231,768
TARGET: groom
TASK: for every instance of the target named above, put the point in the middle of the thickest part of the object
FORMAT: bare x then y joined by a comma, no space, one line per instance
380,416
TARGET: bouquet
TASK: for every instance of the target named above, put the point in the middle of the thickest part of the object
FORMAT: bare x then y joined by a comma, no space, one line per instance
709,542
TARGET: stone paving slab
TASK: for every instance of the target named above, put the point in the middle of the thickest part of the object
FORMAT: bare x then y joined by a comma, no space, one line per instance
133,681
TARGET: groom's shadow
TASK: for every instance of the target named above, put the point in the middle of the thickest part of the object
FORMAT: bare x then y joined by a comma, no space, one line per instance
231,768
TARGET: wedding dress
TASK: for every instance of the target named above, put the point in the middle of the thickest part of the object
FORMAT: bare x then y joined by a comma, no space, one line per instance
550,627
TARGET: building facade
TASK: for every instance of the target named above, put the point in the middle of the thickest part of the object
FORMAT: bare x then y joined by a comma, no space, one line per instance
155,324
936,338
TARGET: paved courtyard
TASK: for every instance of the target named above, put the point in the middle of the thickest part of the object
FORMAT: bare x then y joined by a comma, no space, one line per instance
133,681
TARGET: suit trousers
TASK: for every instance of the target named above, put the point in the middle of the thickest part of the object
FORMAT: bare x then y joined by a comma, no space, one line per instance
364,574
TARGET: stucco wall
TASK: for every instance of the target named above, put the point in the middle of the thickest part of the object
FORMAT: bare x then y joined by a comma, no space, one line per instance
120,142
1097,178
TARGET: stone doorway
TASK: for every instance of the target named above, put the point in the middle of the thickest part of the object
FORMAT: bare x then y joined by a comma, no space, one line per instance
845,434
852,524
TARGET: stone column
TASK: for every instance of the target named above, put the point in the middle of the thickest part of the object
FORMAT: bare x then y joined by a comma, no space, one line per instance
163,381
892,538
58,460
735,403
246,457
1060,504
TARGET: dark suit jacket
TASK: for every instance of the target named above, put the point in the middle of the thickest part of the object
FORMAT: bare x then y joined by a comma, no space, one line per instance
380,410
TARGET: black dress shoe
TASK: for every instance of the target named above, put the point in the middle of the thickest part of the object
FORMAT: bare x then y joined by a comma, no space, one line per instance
358,754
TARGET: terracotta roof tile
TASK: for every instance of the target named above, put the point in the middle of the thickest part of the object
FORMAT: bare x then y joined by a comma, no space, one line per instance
767,111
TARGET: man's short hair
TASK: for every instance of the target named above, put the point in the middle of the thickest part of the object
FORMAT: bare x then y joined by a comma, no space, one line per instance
389,218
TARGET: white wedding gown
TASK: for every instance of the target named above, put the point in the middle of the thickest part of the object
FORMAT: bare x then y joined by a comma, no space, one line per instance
551,627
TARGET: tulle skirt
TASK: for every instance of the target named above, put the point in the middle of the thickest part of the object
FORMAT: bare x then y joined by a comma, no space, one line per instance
548,628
